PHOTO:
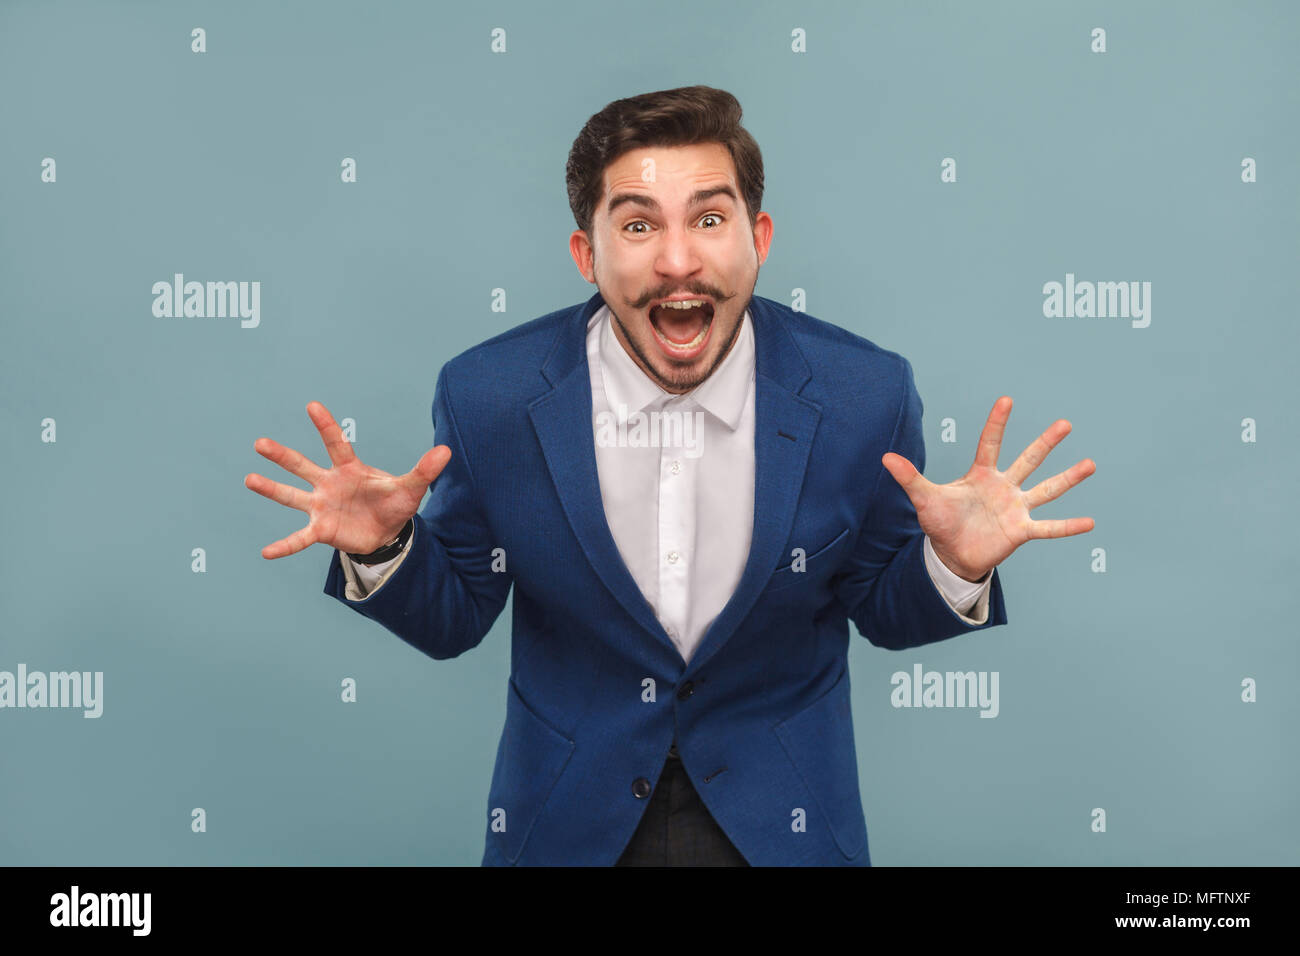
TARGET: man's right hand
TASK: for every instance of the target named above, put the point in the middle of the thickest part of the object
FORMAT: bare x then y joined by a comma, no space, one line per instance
351,506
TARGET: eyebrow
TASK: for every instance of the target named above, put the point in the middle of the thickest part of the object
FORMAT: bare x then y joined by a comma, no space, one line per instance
649,202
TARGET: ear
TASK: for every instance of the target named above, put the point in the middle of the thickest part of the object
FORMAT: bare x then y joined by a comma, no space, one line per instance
762,236
584,256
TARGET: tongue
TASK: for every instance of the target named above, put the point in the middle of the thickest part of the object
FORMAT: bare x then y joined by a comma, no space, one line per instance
679,325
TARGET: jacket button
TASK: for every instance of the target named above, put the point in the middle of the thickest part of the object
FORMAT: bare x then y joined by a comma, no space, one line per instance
685,690
641,788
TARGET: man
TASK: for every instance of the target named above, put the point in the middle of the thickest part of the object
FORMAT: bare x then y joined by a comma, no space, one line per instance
690,501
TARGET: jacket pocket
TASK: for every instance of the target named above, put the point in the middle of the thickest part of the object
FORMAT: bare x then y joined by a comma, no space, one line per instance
530,758
785,575
819,742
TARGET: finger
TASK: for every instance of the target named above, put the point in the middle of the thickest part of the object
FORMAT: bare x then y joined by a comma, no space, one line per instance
1061,528
991,437
284,494
339,448
912,481
1052,488
1038,449
289,460
429,467
300,539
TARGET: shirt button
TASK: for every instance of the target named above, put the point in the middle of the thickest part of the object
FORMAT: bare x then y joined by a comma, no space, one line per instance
672,557
676,467
641,788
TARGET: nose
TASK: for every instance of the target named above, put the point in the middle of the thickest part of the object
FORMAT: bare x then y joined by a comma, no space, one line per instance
677,256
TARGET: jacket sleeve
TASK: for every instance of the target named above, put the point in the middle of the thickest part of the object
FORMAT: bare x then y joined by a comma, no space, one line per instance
443,596
885,586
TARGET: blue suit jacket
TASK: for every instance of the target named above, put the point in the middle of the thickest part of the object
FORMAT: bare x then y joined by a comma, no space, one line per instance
761,714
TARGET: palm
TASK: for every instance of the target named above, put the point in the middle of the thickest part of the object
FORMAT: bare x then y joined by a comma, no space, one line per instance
352,506
975,522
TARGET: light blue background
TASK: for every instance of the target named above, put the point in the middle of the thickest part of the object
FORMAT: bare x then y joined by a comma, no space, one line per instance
1118,690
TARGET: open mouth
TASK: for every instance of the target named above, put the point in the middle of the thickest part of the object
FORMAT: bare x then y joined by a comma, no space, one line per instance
682,332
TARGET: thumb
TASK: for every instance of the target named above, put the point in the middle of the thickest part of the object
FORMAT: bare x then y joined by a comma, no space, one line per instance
904,472
430,466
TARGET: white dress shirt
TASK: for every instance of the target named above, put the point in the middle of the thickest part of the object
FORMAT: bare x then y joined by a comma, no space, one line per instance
677,485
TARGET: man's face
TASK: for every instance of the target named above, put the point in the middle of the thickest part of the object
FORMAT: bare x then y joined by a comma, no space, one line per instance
674,228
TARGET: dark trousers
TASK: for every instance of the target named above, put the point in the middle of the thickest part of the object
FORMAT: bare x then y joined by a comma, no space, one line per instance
677,829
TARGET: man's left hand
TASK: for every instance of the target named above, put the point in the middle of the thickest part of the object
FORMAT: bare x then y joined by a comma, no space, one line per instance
979,519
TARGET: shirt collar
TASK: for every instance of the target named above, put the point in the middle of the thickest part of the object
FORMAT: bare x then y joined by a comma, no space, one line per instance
722,394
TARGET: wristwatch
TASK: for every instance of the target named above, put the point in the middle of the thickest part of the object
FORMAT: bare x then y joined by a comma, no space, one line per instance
388,551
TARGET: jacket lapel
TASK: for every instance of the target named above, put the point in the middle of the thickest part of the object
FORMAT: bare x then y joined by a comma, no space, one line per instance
562,420
784,425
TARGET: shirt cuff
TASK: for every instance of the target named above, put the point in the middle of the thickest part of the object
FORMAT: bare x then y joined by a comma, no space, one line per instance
969,600
364,580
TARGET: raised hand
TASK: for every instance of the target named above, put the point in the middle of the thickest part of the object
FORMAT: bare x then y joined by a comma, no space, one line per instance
975,522
352,506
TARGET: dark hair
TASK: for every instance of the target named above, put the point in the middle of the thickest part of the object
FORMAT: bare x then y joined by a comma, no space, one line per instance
681,117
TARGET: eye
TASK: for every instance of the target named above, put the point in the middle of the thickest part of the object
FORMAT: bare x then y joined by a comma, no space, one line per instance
712,215
637,222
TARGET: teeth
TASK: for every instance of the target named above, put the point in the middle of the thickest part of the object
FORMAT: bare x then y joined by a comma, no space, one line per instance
687,304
